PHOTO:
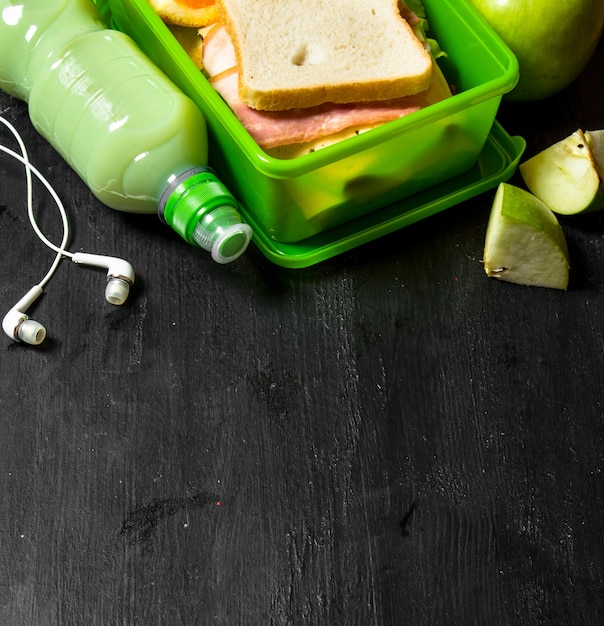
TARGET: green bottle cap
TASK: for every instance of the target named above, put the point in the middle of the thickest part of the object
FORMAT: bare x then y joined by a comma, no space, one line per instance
203,212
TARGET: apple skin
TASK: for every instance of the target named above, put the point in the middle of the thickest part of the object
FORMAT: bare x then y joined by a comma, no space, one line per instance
553,40
565,176
525,243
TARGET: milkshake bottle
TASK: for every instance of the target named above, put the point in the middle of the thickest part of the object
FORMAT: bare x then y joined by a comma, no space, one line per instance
134,138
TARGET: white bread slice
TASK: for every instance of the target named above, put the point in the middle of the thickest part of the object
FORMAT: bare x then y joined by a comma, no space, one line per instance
301,53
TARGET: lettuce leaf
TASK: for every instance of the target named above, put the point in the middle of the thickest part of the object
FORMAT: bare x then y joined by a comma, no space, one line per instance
421,29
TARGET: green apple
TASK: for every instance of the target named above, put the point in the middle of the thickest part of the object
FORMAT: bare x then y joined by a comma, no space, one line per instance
524,242
552,39
565,176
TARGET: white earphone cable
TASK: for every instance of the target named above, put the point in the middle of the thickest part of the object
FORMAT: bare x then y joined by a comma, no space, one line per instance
29,168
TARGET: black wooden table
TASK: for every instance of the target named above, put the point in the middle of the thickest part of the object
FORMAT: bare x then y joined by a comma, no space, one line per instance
388,437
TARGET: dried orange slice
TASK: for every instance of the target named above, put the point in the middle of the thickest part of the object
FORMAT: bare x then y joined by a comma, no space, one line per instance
192,13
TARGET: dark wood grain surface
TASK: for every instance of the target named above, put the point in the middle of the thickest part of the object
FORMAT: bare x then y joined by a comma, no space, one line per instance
388,438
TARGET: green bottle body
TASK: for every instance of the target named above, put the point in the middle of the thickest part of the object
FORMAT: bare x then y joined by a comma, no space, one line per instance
118,121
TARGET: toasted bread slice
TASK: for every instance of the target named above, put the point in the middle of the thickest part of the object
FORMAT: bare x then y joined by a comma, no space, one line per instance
301,53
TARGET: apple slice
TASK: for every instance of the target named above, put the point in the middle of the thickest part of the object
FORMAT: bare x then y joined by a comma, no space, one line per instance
524,242
595,141
565,176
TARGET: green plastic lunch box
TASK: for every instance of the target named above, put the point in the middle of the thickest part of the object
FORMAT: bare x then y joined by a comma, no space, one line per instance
311,207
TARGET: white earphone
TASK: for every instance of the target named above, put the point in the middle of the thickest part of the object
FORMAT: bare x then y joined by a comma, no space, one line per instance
120,274
17,325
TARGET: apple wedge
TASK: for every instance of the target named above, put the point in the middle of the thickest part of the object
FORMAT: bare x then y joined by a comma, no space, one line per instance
595,141
565,176
524,241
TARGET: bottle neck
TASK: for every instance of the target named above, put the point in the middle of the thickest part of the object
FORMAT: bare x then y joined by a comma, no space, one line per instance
198,206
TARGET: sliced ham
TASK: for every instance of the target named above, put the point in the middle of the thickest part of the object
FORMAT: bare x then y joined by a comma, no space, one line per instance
218,51
277,128
408,15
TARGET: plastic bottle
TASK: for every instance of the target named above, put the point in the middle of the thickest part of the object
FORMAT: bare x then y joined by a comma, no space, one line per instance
136,140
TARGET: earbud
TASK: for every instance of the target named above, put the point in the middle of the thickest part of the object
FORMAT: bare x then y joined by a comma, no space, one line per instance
120,274
17,325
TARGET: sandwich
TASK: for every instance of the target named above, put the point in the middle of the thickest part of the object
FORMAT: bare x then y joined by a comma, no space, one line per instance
300,76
